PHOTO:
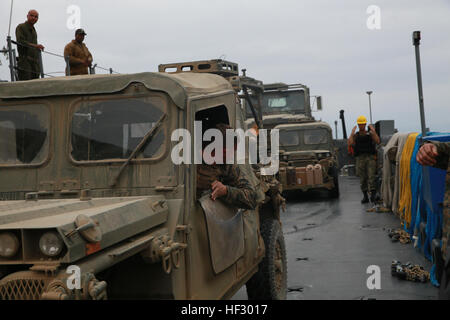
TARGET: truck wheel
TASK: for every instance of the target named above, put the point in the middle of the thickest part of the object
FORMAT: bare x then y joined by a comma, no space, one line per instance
335,191
270,282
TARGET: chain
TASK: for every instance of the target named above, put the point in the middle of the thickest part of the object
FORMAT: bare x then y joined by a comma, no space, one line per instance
400,235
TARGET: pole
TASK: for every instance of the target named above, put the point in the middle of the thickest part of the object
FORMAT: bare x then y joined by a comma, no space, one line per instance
11,62
16,76
335,125
41,65
370,106
344,130
10,18
416,43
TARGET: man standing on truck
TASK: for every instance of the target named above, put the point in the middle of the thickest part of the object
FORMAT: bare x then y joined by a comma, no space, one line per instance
28,48
226,181
437,154
364,145
80,59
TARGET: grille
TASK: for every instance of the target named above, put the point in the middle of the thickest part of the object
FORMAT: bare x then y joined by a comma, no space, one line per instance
22,289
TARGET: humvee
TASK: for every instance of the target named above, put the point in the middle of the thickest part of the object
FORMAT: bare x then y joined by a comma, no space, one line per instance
307,153
92,206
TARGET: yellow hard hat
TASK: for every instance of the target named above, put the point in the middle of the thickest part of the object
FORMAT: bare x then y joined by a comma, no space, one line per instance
361,120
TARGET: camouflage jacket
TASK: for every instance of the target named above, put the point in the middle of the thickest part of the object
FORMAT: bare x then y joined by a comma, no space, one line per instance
78,54
26,34
443,154
240,192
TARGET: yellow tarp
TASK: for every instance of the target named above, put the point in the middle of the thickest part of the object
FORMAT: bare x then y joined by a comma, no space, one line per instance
404,204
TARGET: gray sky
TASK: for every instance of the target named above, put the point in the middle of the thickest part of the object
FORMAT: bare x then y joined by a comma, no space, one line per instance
324,44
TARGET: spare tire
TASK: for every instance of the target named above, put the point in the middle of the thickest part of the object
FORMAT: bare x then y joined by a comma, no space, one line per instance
270,282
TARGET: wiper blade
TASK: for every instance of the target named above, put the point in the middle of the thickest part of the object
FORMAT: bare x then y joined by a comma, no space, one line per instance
147,138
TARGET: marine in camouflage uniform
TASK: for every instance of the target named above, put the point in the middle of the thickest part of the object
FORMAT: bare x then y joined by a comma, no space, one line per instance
28,48
227,181
240,192
364,144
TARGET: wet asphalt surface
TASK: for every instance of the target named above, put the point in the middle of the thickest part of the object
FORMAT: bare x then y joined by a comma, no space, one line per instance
330,243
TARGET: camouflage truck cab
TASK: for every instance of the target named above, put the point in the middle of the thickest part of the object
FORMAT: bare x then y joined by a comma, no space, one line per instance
92,205
307,154
308,159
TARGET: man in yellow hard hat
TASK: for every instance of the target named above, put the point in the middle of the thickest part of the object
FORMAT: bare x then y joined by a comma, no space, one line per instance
364,144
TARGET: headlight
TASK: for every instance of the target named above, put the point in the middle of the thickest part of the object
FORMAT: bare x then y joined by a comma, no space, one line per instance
9,245
51,244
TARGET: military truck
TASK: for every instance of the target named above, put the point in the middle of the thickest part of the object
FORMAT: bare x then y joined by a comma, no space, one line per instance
307,153
307,157
93,207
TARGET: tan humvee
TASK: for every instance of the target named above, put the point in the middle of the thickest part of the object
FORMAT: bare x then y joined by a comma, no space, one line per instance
92,205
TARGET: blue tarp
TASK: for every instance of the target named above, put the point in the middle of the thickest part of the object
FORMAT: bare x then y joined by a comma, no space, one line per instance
430,194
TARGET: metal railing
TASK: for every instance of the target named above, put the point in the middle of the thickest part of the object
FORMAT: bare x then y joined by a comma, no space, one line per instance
14,67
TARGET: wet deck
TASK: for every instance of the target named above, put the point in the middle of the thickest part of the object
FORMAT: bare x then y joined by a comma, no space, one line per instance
331,243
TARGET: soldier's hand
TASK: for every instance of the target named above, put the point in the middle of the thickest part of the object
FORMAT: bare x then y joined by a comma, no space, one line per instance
218,190
427,154
354,129
40,47
371,128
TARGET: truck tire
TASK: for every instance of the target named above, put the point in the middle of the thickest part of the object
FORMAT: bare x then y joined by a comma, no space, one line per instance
270,282
334,193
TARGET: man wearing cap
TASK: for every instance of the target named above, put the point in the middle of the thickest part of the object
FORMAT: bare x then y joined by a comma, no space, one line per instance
80,59
364,145
28,48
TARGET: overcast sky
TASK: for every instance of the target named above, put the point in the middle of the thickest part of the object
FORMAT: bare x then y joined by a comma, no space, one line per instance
324,44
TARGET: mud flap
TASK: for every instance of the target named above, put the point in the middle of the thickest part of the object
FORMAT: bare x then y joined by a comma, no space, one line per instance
225,233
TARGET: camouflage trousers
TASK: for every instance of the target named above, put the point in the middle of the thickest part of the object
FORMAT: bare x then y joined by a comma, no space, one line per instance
28,69
446,218
366,170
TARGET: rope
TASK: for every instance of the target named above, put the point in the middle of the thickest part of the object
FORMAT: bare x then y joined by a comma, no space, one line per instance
404,206
56,55
38,73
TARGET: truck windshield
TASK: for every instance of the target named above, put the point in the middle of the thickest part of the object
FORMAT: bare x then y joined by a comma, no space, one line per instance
315,136
289,138
24,134
112,129
285,102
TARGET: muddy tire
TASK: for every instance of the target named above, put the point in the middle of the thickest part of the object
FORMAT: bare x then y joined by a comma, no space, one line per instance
270,282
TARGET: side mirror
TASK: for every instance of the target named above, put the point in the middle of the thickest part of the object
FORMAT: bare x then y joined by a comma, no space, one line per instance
319,103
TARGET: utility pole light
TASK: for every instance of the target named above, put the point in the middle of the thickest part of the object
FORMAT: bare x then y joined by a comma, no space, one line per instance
370,105
416,43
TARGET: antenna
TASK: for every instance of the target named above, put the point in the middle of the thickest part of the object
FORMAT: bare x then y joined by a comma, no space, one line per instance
10,18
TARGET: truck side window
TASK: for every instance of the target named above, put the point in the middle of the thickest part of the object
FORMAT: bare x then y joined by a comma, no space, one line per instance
23,135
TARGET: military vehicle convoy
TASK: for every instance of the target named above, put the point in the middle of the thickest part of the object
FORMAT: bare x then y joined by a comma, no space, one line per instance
308,158
92,206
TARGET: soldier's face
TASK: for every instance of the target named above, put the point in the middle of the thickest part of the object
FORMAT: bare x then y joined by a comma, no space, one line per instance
362,127
79,38
33,17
